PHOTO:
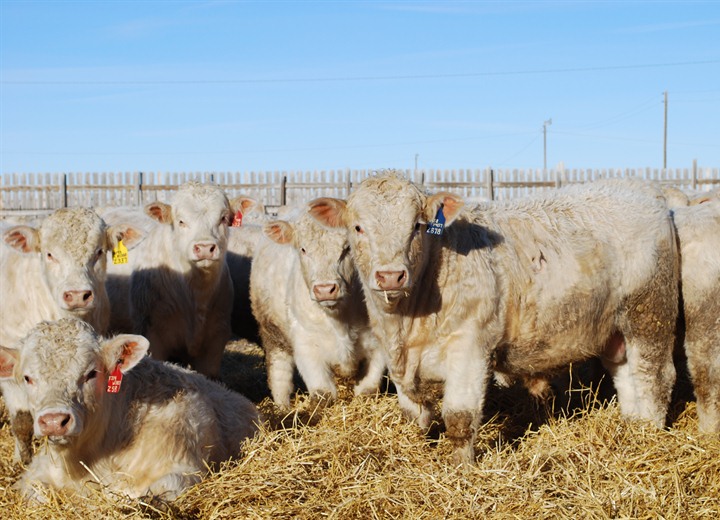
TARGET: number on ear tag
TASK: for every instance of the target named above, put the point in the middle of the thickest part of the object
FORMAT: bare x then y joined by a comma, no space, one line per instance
115,379
237,219
120,253
437,225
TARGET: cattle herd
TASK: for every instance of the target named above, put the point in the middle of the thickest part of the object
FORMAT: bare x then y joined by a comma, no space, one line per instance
113,321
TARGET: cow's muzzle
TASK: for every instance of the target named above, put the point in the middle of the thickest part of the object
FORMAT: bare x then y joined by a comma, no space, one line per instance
78,300
391,280
55,425
326,293
206,251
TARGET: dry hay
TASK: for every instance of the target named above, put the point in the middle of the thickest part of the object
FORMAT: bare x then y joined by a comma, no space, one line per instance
359,458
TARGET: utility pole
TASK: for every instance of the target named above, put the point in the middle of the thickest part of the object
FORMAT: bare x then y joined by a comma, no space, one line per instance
416,158
545,125
665,134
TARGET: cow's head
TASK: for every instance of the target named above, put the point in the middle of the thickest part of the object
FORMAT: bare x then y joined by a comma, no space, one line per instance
386,219
199,217
324,256
72,244
64,368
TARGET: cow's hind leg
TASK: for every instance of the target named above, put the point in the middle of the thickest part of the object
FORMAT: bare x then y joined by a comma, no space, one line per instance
639,355
704,366
643,380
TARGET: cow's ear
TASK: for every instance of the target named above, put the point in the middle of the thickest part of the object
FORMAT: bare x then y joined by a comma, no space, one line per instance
279,231
159,211
449,203
328,211
700,200
124,351
245,205
25,239
8,359
130,235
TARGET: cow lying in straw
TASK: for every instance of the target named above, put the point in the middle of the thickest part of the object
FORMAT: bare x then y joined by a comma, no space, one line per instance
117,419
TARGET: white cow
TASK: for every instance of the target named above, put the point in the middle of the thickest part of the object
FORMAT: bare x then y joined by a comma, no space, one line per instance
521,288
308,304
179,289
56,270
116,419
698,230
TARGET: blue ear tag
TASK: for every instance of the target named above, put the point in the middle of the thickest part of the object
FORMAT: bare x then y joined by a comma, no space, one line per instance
437,225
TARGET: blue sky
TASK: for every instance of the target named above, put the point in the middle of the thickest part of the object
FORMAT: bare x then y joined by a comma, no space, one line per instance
241,86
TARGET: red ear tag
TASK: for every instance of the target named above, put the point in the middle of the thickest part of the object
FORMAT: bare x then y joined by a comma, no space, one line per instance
115,379
237,220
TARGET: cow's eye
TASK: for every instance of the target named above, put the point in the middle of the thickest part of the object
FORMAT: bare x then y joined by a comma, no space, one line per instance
91,375
302,250
417,226
182,223
359,229
50,257
99,253
28,380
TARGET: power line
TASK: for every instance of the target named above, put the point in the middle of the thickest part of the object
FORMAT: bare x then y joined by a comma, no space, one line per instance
620,117
360,78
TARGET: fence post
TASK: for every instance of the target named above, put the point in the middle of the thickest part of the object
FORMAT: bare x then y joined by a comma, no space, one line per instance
490,186
694,174
64,188
348,173
138,190
283,191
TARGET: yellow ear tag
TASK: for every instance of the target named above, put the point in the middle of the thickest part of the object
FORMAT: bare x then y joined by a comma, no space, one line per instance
120,253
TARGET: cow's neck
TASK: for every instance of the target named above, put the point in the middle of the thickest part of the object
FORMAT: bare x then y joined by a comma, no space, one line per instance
399,324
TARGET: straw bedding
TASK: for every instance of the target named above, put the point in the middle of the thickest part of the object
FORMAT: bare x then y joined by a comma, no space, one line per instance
359,458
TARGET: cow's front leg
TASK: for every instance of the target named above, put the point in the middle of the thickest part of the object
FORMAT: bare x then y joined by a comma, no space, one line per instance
419,412
22,429
467,373
171,485
311,359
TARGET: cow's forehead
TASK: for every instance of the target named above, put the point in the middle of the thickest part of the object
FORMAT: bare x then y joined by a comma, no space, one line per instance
387,198
196,197
60,345
309,231
76,230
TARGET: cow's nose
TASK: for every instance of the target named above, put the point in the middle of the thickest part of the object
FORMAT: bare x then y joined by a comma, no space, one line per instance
52,424
205,250
325,291
77,299
390,280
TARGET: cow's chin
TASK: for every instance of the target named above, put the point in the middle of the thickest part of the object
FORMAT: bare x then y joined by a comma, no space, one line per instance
205,264
60,440
328,304
391,298
80,312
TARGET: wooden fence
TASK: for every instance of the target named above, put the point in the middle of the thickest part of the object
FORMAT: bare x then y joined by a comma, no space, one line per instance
33,193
